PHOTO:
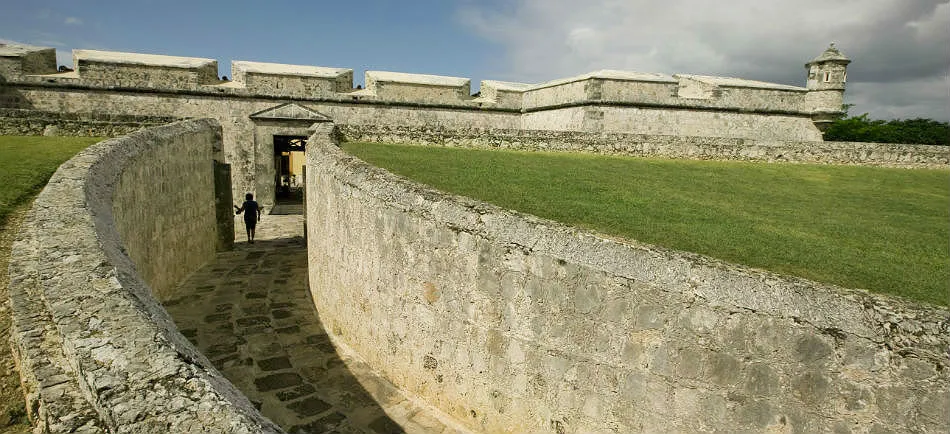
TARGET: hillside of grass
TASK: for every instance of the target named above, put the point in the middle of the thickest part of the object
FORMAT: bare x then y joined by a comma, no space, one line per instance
26,163
882,229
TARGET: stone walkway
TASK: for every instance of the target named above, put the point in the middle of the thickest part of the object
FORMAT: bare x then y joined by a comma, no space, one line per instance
250,313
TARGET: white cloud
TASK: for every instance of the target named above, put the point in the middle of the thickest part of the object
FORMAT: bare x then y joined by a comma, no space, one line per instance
899,45
72,21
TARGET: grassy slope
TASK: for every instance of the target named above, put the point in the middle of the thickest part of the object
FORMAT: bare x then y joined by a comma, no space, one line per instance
885,230
26,163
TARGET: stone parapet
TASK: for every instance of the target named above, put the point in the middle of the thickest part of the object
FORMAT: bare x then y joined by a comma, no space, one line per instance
151,71
290,80
646,145
97,351
417,88
159,73
19,60
513,323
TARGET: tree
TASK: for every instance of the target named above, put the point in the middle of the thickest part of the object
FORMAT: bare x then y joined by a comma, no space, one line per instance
911,131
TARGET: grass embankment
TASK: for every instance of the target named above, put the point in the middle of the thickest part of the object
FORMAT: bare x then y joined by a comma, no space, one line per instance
885,230
26,163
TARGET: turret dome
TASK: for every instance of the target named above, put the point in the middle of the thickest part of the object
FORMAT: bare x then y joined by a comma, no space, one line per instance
830,55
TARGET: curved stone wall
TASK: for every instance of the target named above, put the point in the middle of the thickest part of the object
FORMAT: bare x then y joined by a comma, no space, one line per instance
512,323
96,351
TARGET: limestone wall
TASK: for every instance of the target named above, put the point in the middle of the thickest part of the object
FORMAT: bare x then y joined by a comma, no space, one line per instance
659,91
16,61
555,95
106,84
418,88
291,80
517,324
20,122
673,122
502,94
250,159
709,124
163,206
647,145
148,71
96,350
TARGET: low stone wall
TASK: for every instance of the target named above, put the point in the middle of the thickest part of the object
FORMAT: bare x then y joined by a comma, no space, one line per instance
643,145
511,323
96,351
26,122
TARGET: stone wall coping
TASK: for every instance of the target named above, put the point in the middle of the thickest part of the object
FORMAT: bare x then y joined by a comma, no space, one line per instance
419,79
608,74
17,50
508,86
740,82
918,328
97,350
140,59
285,69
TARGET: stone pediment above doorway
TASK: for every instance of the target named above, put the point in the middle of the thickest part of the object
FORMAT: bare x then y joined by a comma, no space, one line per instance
290,112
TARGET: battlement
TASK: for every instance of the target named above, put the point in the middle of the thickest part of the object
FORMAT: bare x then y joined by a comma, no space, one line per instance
110,68
503,93
418,88
19,60
151,72
294,79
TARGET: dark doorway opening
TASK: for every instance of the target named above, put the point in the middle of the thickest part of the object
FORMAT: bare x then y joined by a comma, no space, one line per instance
288,169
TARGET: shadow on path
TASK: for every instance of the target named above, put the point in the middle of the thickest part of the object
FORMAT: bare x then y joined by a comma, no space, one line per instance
250,312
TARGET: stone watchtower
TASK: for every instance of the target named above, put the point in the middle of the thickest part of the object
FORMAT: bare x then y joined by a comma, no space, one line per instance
827,75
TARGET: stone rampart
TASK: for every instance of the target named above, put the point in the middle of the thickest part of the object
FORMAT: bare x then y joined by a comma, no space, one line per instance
513,323
149,72
96,350
22,60
21,122
418,88
647,145
623,88
107,68
270,78
253,107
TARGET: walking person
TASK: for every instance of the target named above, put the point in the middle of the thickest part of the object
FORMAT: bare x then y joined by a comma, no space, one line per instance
252,215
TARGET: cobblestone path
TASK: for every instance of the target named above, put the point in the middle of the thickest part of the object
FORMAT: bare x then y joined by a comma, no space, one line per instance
250,313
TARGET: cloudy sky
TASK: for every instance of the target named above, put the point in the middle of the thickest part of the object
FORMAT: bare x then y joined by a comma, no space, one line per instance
900,48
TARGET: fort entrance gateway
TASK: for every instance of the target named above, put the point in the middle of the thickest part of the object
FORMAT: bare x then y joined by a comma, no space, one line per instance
288,169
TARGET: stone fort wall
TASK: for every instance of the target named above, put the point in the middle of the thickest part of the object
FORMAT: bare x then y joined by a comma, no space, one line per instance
109,84
21,122
512,323
247,142
115,227
664,146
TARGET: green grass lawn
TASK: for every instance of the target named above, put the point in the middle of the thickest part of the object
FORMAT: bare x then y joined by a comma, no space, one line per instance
885,230
26,163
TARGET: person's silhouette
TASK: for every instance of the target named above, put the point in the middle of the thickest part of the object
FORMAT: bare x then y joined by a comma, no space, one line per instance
252,215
